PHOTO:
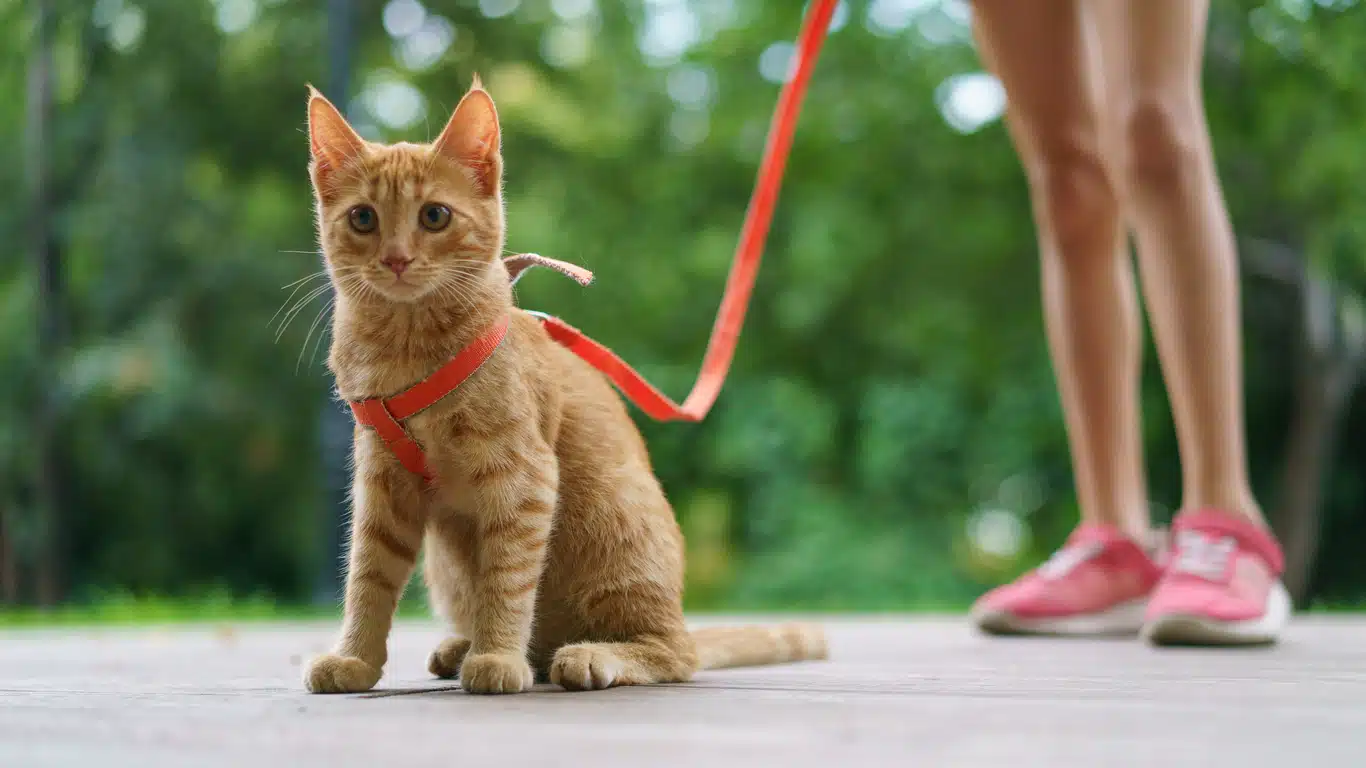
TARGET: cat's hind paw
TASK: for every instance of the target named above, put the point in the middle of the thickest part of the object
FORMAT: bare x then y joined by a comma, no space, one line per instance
586,667
445,660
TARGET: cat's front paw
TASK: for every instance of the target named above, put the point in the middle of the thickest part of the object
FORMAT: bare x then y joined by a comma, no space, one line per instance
340,674
445,660
495,673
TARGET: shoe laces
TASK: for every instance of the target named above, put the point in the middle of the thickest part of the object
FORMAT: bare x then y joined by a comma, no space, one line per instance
1203,555
1065,560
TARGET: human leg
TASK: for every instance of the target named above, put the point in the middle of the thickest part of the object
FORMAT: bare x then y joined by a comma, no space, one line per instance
1222,583
1044,54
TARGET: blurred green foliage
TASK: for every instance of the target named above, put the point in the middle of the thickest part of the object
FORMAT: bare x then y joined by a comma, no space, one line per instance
889,437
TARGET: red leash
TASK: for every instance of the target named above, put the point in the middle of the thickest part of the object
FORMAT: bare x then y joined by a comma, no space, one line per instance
744,269
386,415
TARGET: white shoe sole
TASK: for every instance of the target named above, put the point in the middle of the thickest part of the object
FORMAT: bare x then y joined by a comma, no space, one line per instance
1181,629
1123,619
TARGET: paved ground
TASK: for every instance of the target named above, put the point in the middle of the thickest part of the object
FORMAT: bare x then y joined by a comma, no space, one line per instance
912,692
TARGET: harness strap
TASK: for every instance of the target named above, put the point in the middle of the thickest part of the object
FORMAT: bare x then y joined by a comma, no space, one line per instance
387,414
373,413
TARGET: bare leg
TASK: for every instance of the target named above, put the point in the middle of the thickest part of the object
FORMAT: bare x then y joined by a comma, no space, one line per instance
1221,586
1041,52
1185,242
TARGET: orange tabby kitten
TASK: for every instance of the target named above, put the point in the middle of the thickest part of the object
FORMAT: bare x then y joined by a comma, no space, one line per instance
549,543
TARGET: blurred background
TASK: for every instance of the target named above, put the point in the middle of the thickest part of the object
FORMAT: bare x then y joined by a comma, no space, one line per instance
889,438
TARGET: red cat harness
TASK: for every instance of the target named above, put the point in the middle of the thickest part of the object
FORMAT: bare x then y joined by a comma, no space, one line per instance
386,415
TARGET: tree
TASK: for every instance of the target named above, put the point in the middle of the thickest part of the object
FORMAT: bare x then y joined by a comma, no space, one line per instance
49,565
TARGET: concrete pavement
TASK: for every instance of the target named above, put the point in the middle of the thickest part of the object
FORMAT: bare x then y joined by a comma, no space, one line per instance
904,691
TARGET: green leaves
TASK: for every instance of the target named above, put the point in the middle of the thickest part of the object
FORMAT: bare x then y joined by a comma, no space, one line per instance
892,380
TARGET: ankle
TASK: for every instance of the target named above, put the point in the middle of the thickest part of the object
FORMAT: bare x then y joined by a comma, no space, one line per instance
1242,506
1138,531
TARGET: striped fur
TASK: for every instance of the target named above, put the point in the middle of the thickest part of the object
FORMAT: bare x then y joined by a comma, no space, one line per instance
548,543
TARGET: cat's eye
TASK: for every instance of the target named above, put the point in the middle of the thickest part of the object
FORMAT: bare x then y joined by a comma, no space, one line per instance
434,217
363,219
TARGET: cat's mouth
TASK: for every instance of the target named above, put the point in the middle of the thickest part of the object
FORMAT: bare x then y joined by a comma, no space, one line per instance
405,288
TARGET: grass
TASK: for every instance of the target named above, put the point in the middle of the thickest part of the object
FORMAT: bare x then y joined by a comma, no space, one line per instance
129,610
121,609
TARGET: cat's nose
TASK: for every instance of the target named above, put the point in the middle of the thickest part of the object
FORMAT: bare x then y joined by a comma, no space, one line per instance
396,262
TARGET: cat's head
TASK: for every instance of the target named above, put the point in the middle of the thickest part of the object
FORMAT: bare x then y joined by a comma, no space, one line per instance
405,222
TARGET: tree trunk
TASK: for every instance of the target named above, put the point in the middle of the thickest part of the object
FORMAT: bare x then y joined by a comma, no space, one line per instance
335,427
1329,363
1296,516
1331,344
9,569
50,561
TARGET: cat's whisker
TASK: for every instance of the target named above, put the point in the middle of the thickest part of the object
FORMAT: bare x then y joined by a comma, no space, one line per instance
445,292
289,319
298,307
357,282
362,287
349,282
459,277
312,293
301,283
457,292
298,286
345,271
465,285
323,332
283,304
467,292
304,347
305,278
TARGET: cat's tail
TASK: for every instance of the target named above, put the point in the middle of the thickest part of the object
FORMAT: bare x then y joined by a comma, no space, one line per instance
721,647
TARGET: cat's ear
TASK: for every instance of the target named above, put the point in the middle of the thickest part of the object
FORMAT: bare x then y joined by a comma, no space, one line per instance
331,140
472,137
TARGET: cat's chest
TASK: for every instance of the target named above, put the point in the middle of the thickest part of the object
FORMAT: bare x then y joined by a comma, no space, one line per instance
360,377
477,450
361,384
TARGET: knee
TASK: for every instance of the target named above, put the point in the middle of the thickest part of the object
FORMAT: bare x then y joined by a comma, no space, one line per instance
1074,198
1161,146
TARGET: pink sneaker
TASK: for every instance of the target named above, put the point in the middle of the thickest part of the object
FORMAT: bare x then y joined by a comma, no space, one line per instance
1097,584
1222,586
